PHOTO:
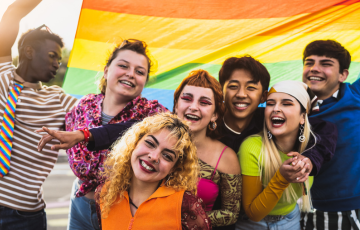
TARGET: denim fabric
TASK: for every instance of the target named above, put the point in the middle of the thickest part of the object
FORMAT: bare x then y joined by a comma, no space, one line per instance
290,221
82,214
11,219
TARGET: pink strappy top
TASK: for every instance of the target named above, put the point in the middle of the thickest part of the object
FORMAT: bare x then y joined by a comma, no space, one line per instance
208,190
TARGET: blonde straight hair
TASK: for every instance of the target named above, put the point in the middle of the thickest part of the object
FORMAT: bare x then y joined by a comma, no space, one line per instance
270,161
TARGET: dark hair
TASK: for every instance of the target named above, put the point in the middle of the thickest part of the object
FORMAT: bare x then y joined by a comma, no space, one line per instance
35,38
256,69
331,49
202,78
135,45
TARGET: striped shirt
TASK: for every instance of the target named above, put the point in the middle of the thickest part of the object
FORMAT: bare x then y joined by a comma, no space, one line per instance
37,106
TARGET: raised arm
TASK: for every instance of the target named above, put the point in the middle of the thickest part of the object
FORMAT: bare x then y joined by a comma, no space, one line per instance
9,24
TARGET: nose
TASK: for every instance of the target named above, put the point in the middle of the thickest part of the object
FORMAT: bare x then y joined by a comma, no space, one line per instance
193,106
241,93
56,64
154,157
315,68
276,108
130,72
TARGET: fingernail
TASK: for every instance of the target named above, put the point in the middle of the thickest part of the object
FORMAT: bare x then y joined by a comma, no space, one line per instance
297,178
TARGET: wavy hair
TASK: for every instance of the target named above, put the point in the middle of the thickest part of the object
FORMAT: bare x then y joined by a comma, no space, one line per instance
118,169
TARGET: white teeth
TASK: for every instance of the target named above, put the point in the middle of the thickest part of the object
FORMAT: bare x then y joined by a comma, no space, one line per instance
192,116
127,83
315,78
146,166
241,105
277,119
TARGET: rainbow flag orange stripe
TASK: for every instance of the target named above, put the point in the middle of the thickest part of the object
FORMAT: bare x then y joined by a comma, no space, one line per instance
187,35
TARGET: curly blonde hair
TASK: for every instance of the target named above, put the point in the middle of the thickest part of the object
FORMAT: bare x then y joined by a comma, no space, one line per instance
118,170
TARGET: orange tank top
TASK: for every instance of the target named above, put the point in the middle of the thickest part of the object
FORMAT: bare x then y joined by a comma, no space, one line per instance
162,210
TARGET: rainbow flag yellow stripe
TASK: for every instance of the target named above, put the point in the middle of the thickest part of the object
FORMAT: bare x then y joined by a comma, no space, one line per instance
187,35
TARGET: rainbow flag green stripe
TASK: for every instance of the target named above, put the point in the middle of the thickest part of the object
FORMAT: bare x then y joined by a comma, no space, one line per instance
187,35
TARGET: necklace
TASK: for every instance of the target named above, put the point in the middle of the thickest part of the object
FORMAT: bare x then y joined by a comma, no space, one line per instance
238,133
132,203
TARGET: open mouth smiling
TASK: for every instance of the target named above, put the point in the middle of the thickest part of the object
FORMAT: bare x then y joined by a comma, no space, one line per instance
315,79
241,106
192,117
277,121
147,166
127,83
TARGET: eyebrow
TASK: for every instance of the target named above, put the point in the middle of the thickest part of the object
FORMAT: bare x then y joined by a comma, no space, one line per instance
202,97
248,82
281,100
324,60
166,149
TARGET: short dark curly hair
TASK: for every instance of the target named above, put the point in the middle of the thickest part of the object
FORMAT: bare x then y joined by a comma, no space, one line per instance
35,38
331,49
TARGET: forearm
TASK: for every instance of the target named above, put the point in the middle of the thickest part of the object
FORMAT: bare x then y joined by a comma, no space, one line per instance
258,202
230,191
9,24
103,137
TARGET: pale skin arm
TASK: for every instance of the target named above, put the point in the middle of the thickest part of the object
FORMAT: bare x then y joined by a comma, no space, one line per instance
67,138
9,24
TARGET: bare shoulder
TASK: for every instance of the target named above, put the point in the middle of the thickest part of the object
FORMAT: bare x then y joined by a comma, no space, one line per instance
229,162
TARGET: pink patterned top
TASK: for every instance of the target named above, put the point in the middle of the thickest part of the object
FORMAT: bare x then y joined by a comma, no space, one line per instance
87,114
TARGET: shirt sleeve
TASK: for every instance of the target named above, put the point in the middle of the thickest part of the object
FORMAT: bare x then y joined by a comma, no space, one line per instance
356,86
230,191
259,202
67,101
193,215
248,155
324,149
105,136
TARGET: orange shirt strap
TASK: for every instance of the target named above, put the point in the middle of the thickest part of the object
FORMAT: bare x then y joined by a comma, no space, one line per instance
258,202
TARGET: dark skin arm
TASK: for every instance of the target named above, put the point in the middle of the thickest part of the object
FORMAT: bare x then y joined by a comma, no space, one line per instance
9,24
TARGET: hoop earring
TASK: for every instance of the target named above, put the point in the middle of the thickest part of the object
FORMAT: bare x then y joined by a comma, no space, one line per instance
269,135
302,138
212,126
167,180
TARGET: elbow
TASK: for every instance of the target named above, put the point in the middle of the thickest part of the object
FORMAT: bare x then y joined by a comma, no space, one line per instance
253,216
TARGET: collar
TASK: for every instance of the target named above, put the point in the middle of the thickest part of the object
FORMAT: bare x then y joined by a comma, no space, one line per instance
19,79
335,95
162,191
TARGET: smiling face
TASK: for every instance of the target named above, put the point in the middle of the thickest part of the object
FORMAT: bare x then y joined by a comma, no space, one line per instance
242,94
45,61
126,75
283,115
196,105
154,157
322,75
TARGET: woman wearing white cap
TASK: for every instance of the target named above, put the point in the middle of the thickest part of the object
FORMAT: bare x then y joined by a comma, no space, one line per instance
269,191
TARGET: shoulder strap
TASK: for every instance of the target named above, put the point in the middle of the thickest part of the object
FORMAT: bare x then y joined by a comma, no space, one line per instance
218,162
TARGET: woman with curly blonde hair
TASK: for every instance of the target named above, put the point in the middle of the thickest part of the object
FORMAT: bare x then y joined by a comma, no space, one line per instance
151,177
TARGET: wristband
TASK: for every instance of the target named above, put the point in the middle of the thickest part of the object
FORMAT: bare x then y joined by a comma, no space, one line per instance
86,133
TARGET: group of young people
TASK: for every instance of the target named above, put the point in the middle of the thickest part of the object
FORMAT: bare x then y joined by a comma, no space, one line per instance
218,160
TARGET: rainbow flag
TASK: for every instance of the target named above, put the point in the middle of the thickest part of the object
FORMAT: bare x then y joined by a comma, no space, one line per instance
184,35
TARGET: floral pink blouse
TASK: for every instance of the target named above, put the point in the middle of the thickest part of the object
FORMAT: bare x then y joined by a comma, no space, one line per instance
87,114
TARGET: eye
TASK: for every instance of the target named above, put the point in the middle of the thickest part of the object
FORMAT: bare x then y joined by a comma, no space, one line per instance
205,102
140,72
51,55
251,88
186,98
150,143
308,63
268,103
122,66
167,157
287,104
232,86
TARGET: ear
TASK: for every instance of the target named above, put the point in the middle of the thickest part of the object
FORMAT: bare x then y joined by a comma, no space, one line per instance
343,75
302,120
264,96
214,117
29,52
105,72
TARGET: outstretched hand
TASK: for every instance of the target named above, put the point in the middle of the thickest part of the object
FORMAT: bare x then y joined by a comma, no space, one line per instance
67,139
296,169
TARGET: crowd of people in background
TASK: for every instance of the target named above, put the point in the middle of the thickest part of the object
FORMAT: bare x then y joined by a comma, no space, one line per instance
216,161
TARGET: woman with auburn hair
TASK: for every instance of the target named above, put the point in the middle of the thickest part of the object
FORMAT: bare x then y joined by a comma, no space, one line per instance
125,75
269,193
151,177
198,100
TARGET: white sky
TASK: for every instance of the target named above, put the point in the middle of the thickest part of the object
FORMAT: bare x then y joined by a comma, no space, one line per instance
61,16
